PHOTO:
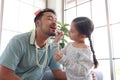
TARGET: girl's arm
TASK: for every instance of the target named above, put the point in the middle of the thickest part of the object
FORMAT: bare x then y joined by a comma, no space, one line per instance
55,42
58,36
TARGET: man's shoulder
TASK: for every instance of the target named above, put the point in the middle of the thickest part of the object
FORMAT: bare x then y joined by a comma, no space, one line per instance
23,37
27,34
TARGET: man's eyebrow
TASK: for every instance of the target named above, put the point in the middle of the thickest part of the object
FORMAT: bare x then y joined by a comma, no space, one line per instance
52,17
49,16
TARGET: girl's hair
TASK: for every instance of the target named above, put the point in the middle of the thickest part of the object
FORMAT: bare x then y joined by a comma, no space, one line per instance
40,14
85,26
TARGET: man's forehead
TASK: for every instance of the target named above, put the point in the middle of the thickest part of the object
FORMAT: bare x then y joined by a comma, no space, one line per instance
48,14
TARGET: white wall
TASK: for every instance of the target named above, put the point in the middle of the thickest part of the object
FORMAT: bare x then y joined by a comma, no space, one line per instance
1,16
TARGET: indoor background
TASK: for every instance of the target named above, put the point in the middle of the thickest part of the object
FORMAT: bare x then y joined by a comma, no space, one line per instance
17,16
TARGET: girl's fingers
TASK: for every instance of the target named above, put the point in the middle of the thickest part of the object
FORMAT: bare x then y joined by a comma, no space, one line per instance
58,56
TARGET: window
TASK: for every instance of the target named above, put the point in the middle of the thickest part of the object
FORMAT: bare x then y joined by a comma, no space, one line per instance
84,10
18,17
70,3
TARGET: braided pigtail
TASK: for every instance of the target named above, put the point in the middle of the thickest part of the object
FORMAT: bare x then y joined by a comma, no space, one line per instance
94,56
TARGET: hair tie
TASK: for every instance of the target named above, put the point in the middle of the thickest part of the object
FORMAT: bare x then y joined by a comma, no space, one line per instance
37,12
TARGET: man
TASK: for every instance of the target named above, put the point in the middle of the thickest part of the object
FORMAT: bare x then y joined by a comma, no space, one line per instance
27,55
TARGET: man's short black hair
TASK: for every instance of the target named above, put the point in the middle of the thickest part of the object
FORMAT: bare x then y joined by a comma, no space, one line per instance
40,14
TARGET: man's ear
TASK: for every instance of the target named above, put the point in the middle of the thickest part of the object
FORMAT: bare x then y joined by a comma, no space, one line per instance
37,22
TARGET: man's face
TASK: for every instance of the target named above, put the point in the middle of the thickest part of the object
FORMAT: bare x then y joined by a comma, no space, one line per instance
48,24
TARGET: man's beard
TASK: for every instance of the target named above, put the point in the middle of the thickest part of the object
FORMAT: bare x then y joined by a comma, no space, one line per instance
48,33
52,33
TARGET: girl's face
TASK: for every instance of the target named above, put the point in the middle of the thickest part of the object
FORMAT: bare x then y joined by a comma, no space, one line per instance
73,33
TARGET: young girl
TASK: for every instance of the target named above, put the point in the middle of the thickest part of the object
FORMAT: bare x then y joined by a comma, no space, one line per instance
76,56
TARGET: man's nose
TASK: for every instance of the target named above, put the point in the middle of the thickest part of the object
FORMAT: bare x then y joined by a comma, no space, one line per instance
54,24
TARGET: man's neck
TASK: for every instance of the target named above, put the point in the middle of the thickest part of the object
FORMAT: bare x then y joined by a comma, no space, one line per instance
41,41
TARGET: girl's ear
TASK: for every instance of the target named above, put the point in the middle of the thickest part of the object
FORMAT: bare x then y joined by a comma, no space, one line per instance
83,36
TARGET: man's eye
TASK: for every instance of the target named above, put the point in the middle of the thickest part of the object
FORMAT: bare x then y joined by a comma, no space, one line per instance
49,18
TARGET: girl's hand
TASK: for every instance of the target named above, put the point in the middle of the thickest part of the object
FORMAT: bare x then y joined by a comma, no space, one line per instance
59,35
58,56
94,76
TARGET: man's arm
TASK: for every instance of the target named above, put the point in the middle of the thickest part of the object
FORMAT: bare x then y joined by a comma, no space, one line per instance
7,74
59,74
